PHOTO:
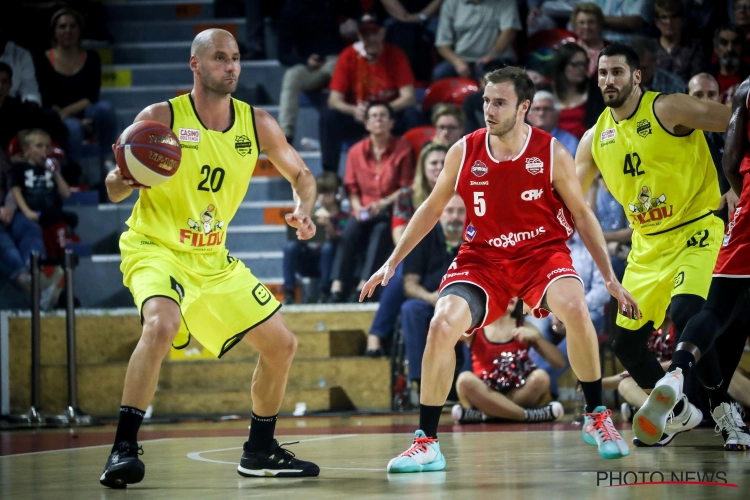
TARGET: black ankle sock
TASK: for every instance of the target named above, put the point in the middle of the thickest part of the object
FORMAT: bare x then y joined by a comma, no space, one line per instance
429,417
128,425
683,360
717,395
592,393
261,432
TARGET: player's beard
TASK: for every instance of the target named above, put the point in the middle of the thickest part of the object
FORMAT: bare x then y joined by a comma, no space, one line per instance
621,97
218,87
502,128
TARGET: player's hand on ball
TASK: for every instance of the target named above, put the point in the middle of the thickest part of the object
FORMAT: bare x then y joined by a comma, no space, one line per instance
627,306
128,181
382,277
303,223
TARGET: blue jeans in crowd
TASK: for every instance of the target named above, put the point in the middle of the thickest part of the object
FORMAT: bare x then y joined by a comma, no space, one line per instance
17,241
415,323
306,260
390,306
105,130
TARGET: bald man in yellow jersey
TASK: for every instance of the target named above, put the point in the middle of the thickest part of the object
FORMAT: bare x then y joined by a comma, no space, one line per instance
175,262
653,156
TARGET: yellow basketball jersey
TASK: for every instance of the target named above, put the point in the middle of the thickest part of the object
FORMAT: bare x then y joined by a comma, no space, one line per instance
191,211
661,180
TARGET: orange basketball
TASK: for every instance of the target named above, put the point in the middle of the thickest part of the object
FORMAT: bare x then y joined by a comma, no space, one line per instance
148,152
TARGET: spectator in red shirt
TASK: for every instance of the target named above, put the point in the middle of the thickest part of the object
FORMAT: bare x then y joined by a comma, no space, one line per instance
376,168
370,70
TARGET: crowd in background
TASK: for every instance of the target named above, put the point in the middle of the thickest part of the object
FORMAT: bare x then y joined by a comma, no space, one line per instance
396,84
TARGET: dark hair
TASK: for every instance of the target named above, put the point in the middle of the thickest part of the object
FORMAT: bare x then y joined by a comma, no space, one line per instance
373,104
669,6
327,182
522,84
729,27
563,55
620,49
65,11
4,68
492,65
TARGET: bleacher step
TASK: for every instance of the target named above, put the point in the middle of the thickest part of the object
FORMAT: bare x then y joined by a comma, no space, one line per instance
145,10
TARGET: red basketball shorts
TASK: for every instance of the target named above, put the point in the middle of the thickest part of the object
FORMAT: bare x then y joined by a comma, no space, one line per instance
734,255
527,277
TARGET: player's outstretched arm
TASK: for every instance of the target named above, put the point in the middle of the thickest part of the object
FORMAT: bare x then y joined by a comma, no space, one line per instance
586,168
736,143
287,161
568,187
423,220
680,114
118,187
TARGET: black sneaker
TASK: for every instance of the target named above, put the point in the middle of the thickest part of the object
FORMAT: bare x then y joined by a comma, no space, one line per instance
277,462
123,466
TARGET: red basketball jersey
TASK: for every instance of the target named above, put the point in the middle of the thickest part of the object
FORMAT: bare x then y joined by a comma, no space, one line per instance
511,207
734,256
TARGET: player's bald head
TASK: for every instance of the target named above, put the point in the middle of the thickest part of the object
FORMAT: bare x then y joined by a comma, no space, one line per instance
207,40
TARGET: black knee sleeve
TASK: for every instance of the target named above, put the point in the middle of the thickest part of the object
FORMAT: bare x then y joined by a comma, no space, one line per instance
683,308
631,349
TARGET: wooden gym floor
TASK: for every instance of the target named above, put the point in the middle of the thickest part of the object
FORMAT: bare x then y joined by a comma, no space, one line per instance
546,461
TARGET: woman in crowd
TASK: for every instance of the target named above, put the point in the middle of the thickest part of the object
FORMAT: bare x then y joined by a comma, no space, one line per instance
579,97
70,81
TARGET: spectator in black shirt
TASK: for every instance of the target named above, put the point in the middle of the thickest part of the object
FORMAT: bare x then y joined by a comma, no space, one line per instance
424,268
70,80
39,190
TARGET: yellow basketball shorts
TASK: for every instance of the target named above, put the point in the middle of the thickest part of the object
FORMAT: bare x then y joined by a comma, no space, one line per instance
680,261
219,298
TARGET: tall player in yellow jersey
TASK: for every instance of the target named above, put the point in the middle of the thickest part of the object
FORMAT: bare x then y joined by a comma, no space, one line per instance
175,262
652,155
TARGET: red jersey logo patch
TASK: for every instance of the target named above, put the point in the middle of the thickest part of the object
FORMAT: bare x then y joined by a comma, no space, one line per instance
479,169
534,165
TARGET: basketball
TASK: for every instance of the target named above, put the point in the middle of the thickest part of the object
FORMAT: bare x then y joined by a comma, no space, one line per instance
148,152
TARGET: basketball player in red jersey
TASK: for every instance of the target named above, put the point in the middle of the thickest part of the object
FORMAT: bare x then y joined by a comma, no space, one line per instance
726,301
520,189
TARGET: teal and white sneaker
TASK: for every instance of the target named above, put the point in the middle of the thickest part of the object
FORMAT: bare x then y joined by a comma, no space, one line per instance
423,456
650,421
598,430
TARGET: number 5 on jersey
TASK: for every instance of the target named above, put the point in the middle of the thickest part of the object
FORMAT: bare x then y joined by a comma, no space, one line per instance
479,206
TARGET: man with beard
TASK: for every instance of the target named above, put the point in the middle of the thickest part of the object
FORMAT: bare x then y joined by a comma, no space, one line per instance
724,310
182,289
521,195
729,69
655,161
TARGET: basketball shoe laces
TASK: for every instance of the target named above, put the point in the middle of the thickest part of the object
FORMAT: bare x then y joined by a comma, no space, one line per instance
601,422
283,455
419,445
730,424
541,414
